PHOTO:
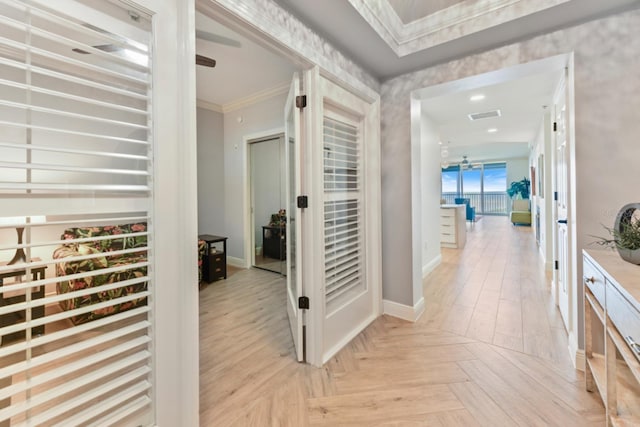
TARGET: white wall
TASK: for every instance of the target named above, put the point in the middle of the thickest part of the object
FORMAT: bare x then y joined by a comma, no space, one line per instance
210,172
430,184
517,169
256,118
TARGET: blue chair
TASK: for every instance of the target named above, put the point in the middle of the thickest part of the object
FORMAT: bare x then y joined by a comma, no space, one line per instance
471,212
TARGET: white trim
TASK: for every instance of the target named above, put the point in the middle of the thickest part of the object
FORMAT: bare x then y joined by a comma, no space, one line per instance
256,97
404,312
237,262
249,252
176,332
574,349
245,101
435,29
201,103
431,265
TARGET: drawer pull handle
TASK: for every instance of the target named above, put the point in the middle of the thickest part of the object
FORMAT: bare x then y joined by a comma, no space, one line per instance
589,280
634,345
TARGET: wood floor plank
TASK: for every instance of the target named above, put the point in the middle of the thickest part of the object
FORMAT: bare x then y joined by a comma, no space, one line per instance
473,359
507,398
530,387
484,410
377,376
371,407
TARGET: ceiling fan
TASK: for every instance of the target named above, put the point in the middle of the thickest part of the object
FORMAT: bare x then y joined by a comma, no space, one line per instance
466,164
200,59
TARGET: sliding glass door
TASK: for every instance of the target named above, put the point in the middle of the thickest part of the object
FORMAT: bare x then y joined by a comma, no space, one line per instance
484,184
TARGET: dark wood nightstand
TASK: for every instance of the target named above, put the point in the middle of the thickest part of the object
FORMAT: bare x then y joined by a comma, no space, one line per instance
37,273
214,265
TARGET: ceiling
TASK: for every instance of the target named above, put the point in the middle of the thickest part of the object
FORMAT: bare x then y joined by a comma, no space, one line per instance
355,27
412,10
374,34
240,72
521,103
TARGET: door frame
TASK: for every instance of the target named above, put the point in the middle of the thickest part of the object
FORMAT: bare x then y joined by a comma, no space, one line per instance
418,171
247,140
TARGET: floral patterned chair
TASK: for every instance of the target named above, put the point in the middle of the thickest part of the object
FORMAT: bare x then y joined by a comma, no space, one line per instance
104,247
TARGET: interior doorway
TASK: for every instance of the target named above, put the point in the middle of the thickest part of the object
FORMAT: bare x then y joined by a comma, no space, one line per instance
429,105
267,192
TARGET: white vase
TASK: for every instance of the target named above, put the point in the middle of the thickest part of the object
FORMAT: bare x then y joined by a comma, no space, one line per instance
625,216
629,255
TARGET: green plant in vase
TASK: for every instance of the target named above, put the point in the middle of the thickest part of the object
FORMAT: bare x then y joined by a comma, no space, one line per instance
519,188
624,235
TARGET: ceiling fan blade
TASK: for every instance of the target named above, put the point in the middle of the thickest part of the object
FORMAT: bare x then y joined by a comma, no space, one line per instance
216,38
205,61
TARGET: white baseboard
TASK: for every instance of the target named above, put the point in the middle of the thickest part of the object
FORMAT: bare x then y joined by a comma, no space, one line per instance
431,265
405,312
574,350
236,262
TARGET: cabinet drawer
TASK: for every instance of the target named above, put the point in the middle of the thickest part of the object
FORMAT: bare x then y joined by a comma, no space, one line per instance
447,238
447,212
217,258
594,280
447,220
624,316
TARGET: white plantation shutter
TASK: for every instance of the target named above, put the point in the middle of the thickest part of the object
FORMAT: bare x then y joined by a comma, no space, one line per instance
343,243
75,153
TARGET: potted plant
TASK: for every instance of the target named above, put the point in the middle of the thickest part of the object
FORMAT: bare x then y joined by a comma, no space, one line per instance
625,235
519,188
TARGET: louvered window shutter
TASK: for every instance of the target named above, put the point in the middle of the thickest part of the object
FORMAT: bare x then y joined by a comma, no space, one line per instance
76,195
343,242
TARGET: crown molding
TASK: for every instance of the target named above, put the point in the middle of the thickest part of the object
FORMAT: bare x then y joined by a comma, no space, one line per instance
256,97
246,101
201,103
444,25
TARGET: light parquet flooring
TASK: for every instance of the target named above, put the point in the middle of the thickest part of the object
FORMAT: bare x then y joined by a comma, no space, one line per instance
490,350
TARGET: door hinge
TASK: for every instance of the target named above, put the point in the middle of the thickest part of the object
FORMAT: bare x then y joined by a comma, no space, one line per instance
555,126
301,101
303,303
303,202
555,196
555,265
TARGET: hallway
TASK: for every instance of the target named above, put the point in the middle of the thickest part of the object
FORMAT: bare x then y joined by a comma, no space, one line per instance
495,291
490,350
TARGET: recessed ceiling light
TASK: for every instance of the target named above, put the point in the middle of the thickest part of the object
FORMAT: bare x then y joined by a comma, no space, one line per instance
477,97
492,130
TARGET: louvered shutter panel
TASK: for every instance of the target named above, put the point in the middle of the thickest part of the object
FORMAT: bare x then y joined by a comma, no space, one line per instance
343,242
76,175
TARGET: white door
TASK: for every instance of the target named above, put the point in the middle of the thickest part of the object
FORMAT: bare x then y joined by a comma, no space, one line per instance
293,155
345,277
561,272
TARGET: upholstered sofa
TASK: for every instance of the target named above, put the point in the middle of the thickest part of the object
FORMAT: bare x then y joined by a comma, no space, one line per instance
521,212
104,246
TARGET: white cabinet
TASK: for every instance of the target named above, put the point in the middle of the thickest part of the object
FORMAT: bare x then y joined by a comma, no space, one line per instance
612,334
453,228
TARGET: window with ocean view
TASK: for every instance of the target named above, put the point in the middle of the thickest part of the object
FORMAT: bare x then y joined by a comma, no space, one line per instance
485,184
